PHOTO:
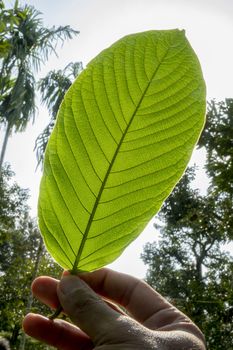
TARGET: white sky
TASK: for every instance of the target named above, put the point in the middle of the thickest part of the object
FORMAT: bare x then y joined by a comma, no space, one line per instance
209,28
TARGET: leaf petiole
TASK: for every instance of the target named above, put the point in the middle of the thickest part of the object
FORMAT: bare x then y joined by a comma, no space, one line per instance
59,309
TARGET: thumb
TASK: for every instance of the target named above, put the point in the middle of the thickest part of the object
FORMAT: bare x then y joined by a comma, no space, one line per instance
86,309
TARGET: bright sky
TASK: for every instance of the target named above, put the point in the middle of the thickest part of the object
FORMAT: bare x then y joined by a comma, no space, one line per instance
209,28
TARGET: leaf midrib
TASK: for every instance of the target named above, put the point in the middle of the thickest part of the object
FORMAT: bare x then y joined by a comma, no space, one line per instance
74,268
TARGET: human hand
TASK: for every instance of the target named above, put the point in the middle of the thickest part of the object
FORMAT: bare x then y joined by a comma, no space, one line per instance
152,323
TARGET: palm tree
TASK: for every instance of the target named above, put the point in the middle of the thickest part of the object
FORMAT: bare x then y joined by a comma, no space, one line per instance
53,88
7,20
30,45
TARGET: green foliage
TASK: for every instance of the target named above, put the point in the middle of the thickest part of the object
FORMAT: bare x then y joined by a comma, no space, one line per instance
30,45
27,44
8,19
188,263
12,210
20,252
218,141
123,137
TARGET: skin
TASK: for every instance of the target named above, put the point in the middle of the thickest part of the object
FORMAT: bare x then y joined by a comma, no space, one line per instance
91,300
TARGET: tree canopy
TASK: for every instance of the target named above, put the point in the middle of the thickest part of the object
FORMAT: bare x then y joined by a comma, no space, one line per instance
217,138
22,257
189,263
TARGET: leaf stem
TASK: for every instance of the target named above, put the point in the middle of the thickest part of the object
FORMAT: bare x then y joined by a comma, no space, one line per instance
59,309
56,313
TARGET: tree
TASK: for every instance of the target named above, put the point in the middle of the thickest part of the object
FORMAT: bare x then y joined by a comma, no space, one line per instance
22,257
188,264
52,89
13,208
218,141
7,20
29,45
13,234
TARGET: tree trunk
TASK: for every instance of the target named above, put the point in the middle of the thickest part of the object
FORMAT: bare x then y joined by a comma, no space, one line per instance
30,297
3,150
199,272
15,334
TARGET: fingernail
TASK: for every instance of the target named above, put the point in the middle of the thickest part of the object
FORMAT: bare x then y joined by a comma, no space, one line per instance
68,284
65,273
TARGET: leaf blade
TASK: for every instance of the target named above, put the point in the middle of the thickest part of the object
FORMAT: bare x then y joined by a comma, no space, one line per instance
123,137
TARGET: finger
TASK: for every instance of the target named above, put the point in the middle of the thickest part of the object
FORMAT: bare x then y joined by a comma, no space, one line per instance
145,305
87,310
133,294
58,333
45,289
136,296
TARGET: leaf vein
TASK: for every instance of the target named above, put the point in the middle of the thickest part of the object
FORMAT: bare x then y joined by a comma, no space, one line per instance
64,169
163,139
59,222
49,232
77,163
108,172
119,99
100,114
149,126
152,159
110,105
91,129
83,144
128,206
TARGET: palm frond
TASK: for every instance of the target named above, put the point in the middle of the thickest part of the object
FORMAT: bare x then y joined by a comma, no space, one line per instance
53,88
46,41
18,105
29,44
41,142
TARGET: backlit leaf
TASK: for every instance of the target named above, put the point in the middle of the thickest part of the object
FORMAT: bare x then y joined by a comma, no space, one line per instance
123,137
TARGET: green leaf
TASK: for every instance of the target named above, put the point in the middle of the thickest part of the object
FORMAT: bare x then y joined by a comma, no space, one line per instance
123,137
